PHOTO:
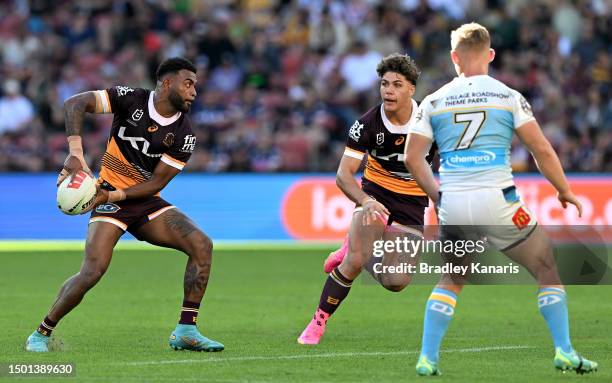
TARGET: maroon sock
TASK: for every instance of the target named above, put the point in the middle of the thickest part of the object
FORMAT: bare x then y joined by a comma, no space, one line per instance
335,290
46,327
189,313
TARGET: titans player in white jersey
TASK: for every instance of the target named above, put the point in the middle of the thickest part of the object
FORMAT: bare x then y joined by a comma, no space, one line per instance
472,120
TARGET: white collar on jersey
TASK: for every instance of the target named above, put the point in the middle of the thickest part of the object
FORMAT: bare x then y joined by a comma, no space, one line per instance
398,129
163,121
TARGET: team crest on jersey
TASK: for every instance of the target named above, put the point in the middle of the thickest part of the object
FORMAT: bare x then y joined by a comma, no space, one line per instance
168,140
380,138
123,90
355,131
189,144
137,115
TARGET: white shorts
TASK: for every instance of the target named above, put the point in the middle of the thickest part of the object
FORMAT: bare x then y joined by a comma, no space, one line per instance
499,215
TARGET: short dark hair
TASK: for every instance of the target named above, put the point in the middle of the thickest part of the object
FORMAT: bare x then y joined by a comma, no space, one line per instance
173,65
398,63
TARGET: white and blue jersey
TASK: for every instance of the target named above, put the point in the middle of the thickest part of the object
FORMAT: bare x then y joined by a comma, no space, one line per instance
472,119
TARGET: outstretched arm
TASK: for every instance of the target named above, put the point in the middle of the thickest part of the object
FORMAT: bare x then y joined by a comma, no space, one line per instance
547,162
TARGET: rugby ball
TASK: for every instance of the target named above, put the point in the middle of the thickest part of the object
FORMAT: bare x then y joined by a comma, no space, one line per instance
77,193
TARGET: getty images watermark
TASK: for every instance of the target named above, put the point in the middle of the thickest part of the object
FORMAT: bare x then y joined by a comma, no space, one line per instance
412,248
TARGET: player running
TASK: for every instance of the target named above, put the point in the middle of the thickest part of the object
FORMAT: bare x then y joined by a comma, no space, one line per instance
150,142
389,202
472,119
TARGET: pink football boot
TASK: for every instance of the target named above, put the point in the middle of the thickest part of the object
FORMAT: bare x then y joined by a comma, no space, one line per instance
314,331
335,257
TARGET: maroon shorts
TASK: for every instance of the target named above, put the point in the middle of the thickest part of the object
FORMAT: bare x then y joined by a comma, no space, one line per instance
130,214
408,210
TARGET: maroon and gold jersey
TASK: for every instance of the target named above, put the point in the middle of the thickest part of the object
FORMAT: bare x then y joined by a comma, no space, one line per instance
140,137
384,143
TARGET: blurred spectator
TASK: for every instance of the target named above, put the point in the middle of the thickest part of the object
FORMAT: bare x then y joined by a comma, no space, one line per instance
280,82
16,110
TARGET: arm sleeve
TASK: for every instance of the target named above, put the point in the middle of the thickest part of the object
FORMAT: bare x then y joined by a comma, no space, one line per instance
422,123
117,99
357,142
181,148
521,110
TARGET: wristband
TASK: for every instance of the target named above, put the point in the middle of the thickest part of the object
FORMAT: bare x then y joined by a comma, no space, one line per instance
75,145
116,195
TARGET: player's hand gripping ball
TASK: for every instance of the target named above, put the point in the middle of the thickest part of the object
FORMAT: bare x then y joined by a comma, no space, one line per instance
76,193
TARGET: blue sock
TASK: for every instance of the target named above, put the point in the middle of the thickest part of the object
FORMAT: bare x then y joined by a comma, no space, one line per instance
439,311
553,307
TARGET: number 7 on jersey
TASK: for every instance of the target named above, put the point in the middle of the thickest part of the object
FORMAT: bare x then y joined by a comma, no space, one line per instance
473,121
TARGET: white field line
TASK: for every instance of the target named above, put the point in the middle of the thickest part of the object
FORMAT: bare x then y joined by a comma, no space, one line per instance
313,356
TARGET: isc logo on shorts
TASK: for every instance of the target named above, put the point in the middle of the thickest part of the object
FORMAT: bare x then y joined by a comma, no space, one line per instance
521,218
107,208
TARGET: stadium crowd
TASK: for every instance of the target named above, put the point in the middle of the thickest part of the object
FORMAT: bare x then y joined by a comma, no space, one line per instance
280,82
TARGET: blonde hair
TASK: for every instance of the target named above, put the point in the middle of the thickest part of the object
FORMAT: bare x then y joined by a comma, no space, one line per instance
472,36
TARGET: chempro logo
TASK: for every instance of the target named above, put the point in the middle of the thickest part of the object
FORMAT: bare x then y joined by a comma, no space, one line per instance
475,158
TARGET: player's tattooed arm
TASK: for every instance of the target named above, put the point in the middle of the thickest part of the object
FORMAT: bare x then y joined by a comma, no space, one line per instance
74,111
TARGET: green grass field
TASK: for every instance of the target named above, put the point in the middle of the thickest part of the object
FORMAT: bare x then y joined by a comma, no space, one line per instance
257,303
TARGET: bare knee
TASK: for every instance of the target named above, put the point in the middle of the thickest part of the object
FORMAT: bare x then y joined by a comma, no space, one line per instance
91,273
200,248
351,265
396,283
396,288
93,267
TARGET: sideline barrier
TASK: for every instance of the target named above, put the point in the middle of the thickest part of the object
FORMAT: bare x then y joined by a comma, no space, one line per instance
267,207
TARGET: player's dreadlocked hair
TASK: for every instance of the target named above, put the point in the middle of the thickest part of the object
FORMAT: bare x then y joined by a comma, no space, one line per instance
173,65
402,64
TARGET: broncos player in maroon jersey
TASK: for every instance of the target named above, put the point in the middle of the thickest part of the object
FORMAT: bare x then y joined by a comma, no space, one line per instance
150,142
389,203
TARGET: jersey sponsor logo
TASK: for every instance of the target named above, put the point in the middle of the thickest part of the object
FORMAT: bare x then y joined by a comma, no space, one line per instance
473,158
390,157
526,107
152,128
107,208
189,144
355,131
137,115
380,138
521,218
134,142
123,90
419,115
400,140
